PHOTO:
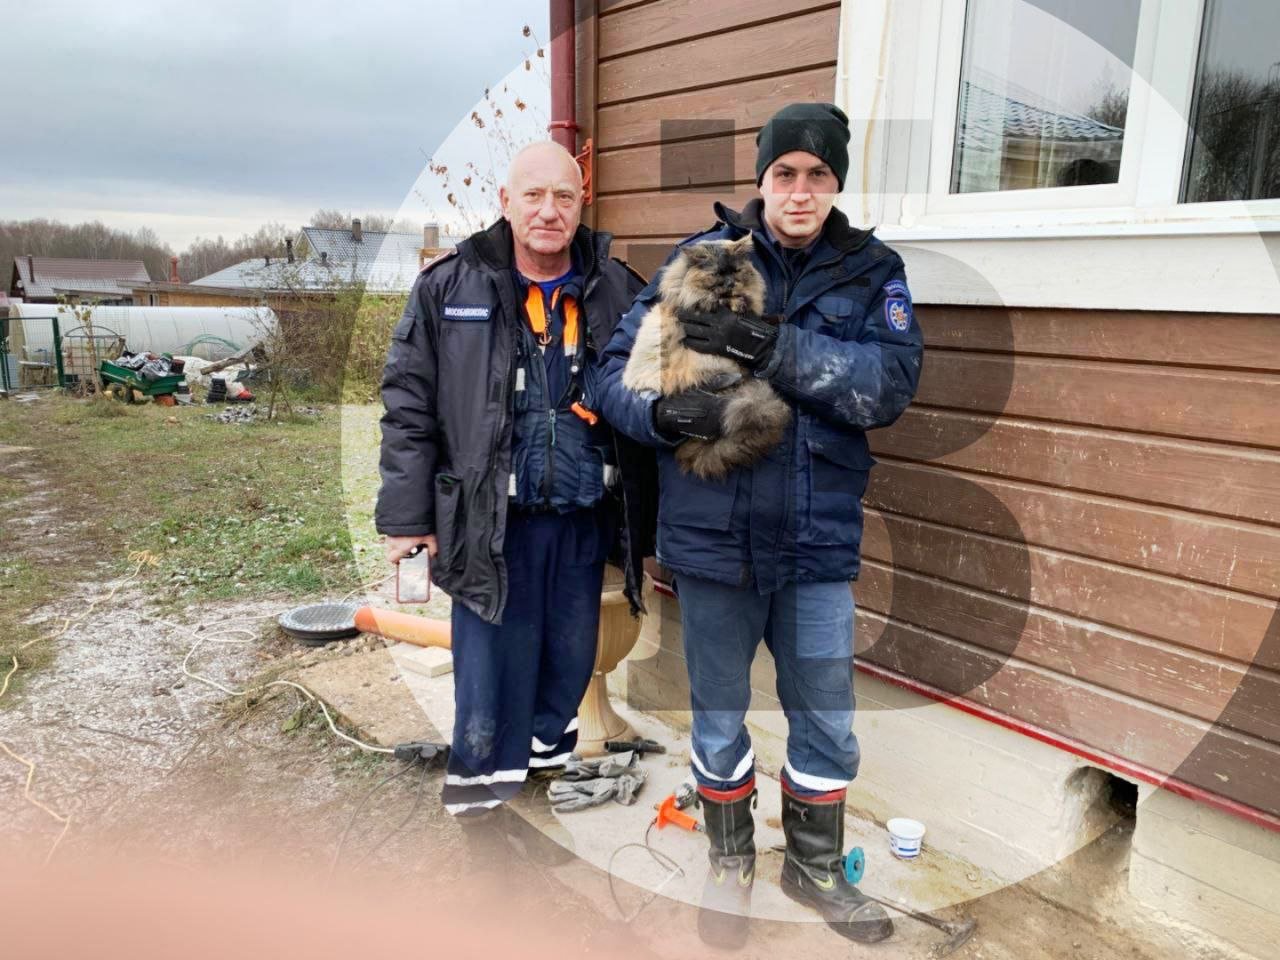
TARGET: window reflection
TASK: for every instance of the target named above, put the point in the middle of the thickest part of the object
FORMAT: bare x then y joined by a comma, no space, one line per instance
1234,152
1044,92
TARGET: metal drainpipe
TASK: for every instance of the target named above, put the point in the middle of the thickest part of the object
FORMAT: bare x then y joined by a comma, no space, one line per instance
563,125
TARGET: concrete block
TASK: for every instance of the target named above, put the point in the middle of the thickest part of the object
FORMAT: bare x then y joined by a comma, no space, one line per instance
367,691
1224,870
1196,816
425,661
1190,902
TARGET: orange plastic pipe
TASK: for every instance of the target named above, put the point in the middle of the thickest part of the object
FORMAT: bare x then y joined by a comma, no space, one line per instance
420,631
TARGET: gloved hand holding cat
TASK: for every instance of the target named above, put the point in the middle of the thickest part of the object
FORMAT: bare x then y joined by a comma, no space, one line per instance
698,347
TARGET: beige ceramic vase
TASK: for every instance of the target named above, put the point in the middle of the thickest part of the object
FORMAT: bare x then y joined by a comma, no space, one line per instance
597,721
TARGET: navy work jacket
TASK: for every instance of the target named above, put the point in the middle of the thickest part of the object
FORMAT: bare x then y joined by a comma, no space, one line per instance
848,358
449,392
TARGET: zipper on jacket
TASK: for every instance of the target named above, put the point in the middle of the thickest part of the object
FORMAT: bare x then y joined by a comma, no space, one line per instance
548,478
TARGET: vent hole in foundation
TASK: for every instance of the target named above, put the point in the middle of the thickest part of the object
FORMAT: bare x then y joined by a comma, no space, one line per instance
1120,796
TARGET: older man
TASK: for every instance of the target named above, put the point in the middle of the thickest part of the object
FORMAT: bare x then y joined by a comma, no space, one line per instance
494,459
769,551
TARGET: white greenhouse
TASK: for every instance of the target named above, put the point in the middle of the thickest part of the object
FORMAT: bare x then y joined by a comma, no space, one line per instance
211,333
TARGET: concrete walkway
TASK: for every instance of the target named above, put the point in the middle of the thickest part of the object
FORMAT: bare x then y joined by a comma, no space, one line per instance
388,695
1077,910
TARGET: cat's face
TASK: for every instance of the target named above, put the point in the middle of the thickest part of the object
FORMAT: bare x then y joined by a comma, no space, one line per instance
720,272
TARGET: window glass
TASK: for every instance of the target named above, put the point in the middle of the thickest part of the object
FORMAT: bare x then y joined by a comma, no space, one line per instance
1044,91
1234,153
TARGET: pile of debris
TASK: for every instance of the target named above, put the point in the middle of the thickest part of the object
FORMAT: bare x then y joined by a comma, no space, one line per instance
250,414
245,414
139,377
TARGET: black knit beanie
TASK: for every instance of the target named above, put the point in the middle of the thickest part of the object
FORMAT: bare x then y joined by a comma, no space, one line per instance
821,129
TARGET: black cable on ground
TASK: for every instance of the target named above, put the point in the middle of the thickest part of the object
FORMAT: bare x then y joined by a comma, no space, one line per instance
417,802
337,854
415,753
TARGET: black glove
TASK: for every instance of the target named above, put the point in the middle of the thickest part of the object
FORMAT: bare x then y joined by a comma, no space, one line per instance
694,413
747,338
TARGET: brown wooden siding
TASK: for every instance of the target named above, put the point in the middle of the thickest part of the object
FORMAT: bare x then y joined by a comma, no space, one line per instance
1078,521
1086,506
687,60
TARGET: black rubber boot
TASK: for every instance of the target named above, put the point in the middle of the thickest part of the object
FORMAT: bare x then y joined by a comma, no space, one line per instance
726,894
813,871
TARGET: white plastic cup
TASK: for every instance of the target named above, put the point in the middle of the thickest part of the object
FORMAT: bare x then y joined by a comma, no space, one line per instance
905,837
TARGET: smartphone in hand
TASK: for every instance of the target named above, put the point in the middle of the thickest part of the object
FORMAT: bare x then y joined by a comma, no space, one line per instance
413,576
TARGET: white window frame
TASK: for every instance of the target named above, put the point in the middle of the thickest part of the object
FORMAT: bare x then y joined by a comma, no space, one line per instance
899,78
939,201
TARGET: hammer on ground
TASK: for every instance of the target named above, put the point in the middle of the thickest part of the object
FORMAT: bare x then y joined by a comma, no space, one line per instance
958,933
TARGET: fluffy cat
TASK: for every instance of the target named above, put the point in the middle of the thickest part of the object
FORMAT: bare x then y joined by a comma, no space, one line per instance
703,277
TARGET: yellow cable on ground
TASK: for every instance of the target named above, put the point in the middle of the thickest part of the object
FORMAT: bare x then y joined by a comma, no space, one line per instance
26,794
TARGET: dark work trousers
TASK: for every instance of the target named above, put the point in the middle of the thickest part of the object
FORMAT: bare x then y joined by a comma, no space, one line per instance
517,685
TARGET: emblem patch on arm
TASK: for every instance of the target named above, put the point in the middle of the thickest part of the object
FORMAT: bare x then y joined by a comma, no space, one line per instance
897,306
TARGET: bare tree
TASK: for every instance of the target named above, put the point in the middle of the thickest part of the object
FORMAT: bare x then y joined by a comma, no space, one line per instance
372,222
82,310
1236,152
509,123
205,256
1111,108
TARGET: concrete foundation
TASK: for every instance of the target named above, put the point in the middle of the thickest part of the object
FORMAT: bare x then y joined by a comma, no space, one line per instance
1207,870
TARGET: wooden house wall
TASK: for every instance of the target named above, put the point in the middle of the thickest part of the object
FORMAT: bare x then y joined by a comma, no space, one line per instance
1077,523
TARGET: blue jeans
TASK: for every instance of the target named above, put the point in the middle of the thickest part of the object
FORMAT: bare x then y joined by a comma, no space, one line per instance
808,627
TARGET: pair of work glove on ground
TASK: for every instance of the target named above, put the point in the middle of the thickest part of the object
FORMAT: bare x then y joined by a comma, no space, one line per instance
589,783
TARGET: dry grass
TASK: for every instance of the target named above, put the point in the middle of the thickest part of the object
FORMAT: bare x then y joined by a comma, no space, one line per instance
231,511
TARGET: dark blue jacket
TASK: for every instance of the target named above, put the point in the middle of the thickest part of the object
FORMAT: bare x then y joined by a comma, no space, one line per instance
449,391
848,359
557,457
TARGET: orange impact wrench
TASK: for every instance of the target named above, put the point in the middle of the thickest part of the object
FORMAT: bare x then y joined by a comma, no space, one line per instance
668,812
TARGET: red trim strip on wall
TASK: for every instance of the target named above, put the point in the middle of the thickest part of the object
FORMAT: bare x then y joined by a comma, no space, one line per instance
1099,758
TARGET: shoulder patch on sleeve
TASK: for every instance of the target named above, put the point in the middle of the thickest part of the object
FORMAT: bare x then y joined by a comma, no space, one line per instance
896,288
438,258
897,313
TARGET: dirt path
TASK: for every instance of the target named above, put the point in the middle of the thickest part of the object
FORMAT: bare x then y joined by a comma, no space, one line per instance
134,752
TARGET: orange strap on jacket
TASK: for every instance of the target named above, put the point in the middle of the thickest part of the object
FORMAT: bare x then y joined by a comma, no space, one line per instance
537,312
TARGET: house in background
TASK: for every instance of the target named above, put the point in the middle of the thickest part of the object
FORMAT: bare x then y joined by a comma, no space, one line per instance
1069,588
44,279
386,264
384,261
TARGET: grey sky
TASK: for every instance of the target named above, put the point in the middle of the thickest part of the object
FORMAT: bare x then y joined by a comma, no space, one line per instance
208,118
